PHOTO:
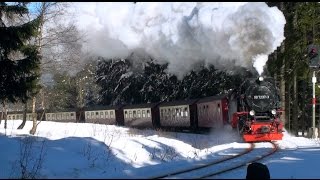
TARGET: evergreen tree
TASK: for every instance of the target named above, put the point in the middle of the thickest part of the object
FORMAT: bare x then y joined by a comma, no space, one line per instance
114,77
19,60
157,85
301,29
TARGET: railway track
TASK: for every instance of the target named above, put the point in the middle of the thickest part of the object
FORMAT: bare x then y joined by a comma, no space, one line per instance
217,167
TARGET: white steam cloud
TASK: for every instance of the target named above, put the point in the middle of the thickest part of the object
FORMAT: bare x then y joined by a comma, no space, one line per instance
182,33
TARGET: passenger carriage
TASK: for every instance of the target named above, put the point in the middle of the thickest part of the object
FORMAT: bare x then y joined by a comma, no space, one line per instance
141,115
212,112
178,115
111,115
69,115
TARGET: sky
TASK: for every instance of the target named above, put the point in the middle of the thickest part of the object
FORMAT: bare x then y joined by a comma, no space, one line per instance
85,150
225,34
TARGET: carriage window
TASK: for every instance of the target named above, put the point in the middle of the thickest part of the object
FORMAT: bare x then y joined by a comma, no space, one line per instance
53,117
48,115
161,113
177,112
130,114
139,113
186,112
134,114
148,113
111,114
218,105
71,114
126,114
97,113
143,113
88,115
106,114
13,117
101,114
92,114
9,117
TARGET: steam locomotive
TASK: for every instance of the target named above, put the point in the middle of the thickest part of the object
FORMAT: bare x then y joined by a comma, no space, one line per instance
255,110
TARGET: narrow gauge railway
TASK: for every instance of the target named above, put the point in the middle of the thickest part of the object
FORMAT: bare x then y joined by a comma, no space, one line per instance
209,170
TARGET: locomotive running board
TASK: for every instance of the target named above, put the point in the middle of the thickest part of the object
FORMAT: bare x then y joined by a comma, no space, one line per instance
262,137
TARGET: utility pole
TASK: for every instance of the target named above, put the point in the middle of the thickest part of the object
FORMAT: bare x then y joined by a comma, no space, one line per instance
314,64
314,129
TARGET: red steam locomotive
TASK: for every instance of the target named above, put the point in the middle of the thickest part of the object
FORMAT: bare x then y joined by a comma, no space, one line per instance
254,110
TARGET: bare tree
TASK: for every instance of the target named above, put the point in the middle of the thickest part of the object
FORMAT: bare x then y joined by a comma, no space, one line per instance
54,34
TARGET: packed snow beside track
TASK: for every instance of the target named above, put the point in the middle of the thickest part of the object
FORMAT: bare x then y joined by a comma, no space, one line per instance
83,150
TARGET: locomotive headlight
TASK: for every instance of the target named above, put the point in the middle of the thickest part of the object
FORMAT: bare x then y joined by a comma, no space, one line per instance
273,111
260,78
251,113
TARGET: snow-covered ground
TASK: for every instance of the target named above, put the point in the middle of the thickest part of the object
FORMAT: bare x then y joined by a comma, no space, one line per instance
83,150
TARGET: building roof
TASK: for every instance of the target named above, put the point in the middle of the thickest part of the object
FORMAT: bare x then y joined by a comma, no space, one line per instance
179,102
63,110
137,106
97,108
212,98
19,112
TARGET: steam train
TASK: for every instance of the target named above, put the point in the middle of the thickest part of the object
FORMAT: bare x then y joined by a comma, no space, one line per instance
256,110
253,110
